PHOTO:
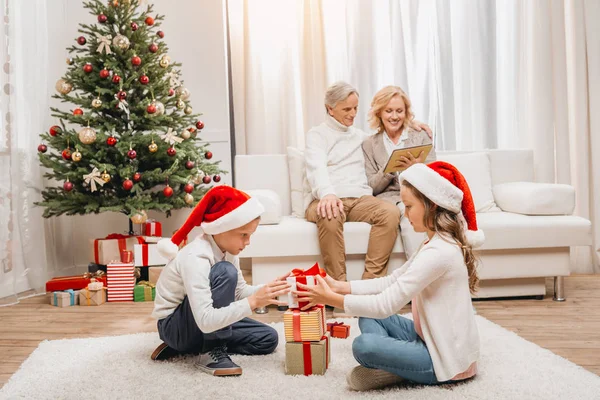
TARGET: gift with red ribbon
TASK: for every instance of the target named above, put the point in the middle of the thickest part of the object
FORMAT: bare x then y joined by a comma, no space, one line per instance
338,330
147,254
308,358
153,228
74,282
302,326
110,247
307,278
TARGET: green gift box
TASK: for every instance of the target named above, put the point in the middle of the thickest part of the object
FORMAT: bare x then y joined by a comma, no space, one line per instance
144,291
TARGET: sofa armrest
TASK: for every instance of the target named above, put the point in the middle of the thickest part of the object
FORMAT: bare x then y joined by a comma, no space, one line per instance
271,202
531,198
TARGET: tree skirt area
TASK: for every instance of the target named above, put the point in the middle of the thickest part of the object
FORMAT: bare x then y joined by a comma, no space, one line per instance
120,367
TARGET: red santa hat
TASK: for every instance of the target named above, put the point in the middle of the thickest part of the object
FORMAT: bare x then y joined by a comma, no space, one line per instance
444,185
222,209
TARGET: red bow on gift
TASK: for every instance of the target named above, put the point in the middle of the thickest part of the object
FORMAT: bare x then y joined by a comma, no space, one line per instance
301,276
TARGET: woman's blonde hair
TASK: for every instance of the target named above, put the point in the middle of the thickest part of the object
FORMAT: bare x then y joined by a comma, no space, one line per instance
446,222
381,99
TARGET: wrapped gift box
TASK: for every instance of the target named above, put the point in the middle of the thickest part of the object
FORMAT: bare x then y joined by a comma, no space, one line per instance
308,358
144,291
120,280
64,298
302,326
152,228
307,277
92,297
109,249
145,255
74,282
338,330
154,274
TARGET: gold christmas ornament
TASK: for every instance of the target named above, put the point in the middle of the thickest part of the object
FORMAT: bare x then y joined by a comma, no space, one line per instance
70,61
76,157
185,135
96,103
105,177
183,93
121,42
153,147
165,61
63,87
188,110
160,108
180,104
139,218
189,199
87,135
198,178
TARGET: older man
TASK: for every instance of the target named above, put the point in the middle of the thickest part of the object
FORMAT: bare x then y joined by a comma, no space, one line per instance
335,169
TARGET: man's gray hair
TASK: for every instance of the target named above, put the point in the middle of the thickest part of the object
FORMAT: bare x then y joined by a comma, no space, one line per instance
337,92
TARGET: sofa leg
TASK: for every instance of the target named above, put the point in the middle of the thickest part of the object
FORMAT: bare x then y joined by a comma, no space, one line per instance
261,310
559,288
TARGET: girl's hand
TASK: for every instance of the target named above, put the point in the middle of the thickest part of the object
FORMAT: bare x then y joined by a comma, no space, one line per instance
321,293
340,287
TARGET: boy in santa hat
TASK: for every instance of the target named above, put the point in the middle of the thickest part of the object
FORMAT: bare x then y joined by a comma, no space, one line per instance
202,300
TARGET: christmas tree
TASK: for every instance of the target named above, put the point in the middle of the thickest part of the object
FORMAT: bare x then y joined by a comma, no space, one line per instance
131,141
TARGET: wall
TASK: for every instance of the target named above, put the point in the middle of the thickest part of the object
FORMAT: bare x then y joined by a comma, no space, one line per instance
195,34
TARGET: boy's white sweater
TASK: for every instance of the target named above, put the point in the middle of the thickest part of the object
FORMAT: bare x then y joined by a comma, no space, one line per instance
436,276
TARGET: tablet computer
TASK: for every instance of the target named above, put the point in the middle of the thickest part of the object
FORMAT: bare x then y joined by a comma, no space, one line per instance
396,154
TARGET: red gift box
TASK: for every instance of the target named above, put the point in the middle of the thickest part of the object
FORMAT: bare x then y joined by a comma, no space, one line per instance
74,282
338,330
301,276
153,228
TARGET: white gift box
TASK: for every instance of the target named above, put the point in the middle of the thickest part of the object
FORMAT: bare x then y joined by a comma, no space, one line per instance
145,255
292,299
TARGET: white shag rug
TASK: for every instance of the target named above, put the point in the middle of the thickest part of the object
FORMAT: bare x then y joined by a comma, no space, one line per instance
119,367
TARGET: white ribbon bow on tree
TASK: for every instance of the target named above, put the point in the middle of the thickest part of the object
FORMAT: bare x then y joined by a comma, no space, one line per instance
92,178
123,106
104,44
171,137
173,79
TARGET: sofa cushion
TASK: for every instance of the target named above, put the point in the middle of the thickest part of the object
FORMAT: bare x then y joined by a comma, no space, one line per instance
532,198
301,195
476,169
272,204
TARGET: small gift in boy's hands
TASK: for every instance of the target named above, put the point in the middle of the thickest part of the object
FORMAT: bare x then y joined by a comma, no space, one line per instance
307,278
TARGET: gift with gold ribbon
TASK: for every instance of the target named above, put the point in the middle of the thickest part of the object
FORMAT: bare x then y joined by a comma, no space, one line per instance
74,282
307,278
302,326
338,330
144,291
308,358
88,297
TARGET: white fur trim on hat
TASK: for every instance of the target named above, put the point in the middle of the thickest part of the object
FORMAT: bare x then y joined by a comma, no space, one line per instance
433,186
475,238
248,211
167,248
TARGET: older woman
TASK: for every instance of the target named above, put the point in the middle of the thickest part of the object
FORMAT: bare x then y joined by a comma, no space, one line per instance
392,117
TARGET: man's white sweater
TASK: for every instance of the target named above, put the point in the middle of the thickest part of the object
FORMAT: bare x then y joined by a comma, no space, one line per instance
188,274
436,278
334,160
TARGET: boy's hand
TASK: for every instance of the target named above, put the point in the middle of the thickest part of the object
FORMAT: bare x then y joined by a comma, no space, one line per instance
268,294
283,277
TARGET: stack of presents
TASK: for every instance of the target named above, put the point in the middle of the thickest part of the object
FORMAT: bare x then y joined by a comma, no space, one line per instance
307,335
124,268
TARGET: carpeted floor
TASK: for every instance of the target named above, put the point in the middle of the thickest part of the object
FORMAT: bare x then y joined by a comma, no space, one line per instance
120,367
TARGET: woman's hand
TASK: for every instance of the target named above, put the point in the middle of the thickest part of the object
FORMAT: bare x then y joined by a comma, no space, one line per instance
321,293
268,294
405,162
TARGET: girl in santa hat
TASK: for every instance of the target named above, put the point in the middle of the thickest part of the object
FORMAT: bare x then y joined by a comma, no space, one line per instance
202,300
441,343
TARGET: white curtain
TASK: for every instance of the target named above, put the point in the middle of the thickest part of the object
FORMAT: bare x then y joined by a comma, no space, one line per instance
481,73
24,105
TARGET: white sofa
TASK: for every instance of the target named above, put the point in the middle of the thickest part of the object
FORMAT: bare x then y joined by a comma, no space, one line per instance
520,250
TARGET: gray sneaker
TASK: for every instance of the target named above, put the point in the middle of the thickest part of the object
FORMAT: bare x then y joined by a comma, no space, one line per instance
218,363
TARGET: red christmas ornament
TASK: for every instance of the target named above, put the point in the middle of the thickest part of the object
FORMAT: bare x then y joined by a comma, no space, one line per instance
55,130
127,184
144,80
217,178
122,95
137,177
136,61
208,155
131,154
160,34
191,129
134,26
104,73
102,18
66,154
190,164
149,21
116,79
151,109
153,48
199,124
81,40
78,111
188,188
171,151
206,179
42,148
68,186
111,141
87,68
171,92
168,192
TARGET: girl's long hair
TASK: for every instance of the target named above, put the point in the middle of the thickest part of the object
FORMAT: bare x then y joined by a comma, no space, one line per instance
447,223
